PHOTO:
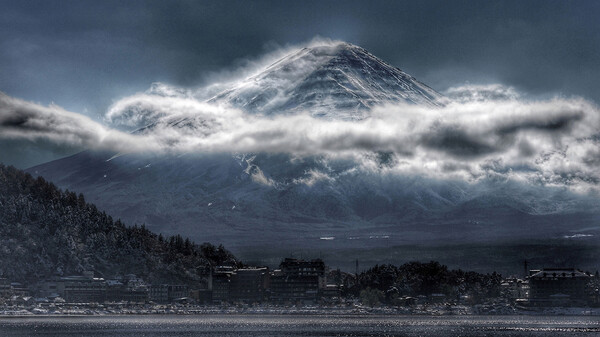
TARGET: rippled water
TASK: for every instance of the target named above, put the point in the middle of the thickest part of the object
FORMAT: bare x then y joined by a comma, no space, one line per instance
255,325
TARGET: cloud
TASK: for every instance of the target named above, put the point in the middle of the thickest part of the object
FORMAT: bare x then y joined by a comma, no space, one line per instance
312,177
22,120
482,132
481,93
485,134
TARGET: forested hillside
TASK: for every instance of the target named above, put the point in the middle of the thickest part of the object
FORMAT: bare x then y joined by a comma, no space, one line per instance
45,231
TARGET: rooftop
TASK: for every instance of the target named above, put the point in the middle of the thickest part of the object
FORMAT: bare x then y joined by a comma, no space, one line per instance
559,273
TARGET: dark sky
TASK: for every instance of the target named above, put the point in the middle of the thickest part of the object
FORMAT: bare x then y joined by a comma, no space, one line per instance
83,55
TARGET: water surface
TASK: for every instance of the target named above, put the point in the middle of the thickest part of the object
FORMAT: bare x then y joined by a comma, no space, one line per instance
293,325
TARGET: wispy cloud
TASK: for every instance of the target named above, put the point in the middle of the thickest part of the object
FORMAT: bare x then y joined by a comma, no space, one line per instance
25,120
485,133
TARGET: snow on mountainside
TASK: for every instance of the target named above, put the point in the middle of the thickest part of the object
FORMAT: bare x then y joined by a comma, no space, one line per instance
336,81
251,200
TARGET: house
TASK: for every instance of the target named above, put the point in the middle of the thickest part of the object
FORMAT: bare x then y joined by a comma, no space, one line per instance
514,288
437,298
331,293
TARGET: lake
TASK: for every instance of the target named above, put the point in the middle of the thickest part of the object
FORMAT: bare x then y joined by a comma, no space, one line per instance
294,325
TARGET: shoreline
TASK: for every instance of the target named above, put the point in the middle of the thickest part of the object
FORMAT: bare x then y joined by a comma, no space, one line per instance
174,310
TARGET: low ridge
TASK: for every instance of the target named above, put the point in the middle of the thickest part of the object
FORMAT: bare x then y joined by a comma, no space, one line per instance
46,232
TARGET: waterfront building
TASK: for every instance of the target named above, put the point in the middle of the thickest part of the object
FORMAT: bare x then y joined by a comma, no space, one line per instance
178,291
6,290
298,281
514,288
221,284
249,285
331,293
558,287
159,293
83,289
164,293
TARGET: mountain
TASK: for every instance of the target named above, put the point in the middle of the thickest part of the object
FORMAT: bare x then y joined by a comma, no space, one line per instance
45,232
336,81
317,204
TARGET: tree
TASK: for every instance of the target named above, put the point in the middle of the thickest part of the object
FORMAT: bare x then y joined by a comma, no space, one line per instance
371,297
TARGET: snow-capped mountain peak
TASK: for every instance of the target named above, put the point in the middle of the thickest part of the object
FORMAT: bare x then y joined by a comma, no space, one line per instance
331,80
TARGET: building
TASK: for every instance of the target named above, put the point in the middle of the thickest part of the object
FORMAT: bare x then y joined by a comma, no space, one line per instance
114,290
166,293
436,298
558,287
5,288
514,288
249,285
127,290
159,293
203,296
331,293
87,288
83,289
19,289
228,284
298,281
220,284
178,291
53,288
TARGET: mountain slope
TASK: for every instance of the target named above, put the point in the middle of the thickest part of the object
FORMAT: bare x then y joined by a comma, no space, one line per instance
280,200
45,231
252,201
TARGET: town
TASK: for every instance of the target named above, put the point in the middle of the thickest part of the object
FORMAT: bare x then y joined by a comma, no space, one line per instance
412,288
